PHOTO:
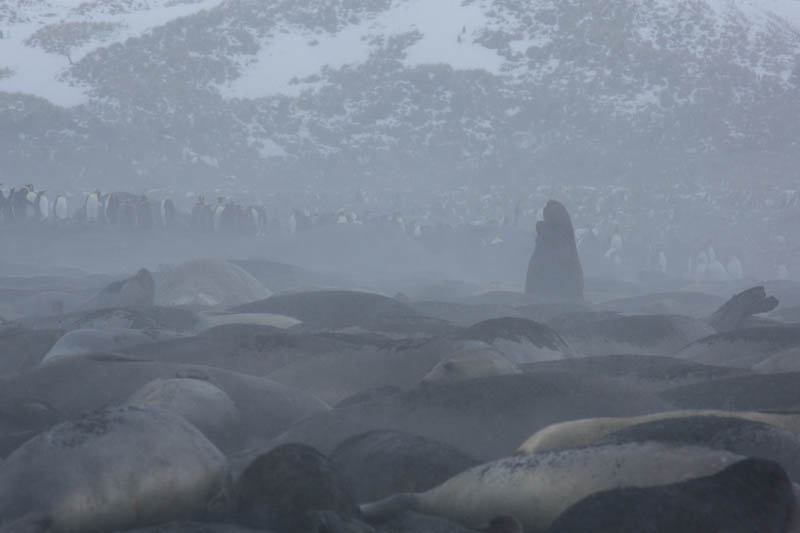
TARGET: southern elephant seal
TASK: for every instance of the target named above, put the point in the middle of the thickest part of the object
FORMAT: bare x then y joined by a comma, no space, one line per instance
762,392
649,372
747,438
266,408
205,405
280,488
745,347
136,291
109,340
506,408
749,496
520,340
208,283
379,463
554,271
537,488
469,363
120,467
347,310
582,432
598,334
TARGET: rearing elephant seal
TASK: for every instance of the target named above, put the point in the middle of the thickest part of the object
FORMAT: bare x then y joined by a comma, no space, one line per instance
555,272
117,468
537,488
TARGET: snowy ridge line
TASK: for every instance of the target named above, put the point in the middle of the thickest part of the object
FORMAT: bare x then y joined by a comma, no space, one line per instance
293,58
34,70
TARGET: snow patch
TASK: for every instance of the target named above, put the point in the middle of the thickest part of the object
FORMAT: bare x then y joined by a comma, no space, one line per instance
293,60
35,71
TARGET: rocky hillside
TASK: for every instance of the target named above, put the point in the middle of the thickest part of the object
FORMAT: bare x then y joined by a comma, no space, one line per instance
186,94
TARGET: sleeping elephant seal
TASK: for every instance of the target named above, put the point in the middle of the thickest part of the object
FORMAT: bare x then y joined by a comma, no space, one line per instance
749,496
136,291
379,463
520,340
420,523
506,408
742,437
322,522
743,348
286,489
205,405
85,341
22,418
469,363
537,488
116,468
195,527
208,283
596,333
763,392
583,432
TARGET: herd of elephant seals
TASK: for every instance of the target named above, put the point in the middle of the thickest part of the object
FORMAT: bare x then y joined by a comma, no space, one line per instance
217,396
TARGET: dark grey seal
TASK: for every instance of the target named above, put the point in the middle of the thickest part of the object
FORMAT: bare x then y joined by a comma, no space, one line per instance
136,291
484,417
743,437
280,488
379,463
750,496
757,392
554,271
343,310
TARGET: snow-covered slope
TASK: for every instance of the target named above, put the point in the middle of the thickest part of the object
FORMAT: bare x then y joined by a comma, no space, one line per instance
41,39
400,89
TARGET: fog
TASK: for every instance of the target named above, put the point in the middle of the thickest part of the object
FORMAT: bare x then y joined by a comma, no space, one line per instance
399,266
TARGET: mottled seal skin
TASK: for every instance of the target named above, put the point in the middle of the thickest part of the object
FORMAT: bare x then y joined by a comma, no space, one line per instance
583,432
283,488
554,271
379,463
537,488
748,438
117,468
749,496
